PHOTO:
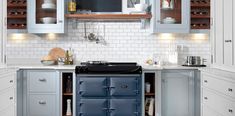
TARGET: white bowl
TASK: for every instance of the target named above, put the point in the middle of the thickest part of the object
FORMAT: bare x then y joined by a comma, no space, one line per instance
48,20
141,7
48,1
48,6
48,62
169,20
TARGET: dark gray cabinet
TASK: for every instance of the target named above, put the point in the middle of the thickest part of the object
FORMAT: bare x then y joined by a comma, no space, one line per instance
108,95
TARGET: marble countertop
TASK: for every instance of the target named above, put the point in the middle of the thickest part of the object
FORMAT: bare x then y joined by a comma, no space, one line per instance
72,67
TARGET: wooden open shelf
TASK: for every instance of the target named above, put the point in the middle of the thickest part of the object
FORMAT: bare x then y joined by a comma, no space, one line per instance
149,94
16,17
68,94
200,5
200,17
16,5
109,16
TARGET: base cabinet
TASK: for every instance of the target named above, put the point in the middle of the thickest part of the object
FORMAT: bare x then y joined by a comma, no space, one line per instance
41,93
7,92
217,95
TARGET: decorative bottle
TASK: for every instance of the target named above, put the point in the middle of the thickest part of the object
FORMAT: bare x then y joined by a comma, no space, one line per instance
69,111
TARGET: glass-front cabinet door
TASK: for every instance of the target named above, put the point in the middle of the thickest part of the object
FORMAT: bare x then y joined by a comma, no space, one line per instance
171,16
45,16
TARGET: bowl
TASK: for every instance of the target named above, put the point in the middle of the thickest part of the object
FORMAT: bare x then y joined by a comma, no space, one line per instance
169,20
141,7
48,6
48,20
48,62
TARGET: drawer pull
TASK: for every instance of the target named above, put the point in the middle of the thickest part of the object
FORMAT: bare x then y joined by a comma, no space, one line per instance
229,89
11,98
11,81
206,98
42,80
205,81
42,102
230,110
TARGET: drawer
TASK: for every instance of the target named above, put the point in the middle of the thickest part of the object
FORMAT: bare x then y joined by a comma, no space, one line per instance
124,86
206,111
9,111
93,87
219,85
42,81
7,98
124,107
218,103
93,107
7,81
42,105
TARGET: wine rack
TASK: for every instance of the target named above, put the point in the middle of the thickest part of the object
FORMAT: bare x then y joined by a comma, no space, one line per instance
16,14
200,14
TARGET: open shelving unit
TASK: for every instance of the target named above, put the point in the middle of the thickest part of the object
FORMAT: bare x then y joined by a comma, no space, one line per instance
66,95
16,14
149,78
200,14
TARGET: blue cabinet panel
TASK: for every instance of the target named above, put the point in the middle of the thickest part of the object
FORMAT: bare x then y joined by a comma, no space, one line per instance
93,87
93,107
124,107
124,86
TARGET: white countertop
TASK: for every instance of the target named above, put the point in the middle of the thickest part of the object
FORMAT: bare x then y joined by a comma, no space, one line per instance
72,67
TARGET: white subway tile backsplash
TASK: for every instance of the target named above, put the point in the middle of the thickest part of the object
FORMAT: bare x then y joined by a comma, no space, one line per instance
122,41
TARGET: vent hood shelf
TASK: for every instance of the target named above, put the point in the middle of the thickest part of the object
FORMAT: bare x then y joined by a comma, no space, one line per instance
109,16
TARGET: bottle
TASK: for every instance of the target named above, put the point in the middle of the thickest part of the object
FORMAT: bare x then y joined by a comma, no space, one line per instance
70,58
69,85
66,62
68,111
72,6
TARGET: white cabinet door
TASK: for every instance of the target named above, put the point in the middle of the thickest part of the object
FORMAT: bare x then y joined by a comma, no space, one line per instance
218,31
171,18
177,91
2,29
45,19
228,32
206,111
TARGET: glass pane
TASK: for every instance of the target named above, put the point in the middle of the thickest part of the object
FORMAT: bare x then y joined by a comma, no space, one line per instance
171,11
46,12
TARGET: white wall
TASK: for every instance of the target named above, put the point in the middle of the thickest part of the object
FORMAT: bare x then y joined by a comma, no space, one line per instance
125,41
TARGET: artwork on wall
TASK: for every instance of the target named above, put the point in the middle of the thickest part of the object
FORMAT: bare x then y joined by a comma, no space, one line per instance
128,6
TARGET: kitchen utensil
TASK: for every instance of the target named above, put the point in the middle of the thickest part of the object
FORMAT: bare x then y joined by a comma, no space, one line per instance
48,20
57,53
194,61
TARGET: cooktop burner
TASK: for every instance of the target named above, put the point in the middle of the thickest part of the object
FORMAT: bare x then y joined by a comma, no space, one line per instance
104,67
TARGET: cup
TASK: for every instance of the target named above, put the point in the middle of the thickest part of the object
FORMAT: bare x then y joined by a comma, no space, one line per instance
147,87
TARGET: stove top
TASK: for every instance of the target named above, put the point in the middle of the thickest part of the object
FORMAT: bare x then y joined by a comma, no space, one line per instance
104,67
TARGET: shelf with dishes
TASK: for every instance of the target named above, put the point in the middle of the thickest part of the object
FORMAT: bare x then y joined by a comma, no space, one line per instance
46,12
67,92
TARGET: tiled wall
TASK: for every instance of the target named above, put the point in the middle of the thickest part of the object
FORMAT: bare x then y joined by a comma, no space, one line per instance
120,41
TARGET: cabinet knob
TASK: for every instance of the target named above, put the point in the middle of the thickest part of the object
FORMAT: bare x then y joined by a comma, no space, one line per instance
60,21
230,110
42,79
42,102
205,81
11,81
230,90
206,98
11,98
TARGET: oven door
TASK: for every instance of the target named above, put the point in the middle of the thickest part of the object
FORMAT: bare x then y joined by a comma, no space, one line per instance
93,86
124,107
124,86
93,107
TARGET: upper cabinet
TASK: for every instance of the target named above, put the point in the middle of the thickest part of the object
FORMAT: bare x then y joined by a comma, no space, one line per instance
3,28
171,16
222,33
45,16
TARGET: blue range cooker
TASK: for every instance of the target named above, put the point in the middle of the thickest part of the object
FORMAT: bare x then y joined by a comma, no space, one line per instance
108,89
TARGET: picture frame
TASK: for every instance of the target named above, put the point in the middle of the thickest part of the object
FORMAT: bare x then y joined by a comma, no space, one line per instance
128,5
